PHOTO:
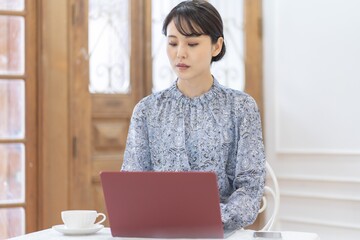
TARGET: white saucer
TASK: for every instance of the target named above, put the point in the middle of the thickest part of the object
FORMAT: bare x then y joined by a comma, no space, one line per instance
80,231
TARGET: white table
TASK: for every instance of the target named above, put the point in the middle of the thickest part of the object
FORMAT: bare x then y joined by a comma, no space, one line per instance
105,233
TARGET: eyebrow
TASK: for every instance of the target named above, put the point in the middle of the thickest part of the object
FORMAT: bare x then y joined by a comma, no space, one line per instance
173,36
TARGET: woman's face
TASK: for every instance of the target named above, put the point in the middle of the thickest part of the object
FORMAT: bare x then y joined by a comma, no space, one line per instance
190,57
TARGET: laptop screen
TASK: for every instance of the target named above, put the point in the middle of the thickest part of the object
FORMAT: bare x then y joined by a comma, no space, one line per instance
162,204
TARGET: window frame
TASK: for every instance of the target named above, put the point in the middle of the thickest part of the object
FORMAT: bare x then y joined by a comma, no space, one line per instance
30,203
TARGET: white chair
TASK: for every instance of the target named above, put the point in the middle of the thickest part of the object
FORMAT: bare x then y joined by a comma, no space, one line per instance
274,192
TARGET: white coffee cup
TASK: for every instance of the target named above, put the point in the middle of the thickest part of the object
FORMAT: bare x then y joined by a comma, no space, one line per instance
76,219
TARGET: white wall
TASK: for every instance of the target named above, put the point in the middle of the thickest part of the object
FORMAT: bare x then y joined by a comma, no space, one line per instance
312,113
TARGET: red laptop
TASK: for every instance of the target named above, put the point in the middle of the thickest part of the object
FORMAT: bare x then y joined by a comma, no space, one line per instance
162,204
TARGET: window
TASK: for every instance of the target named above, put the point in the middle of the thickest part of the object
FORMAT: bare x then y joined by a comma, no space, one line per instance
16,118
109,46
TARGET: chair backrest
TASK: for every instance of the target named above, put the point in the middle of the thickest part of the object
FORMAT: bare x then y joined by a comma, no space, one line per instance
274,192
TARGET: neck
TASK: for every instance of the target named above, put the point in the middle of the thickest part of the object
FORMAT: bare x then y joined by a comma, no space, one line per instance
191,88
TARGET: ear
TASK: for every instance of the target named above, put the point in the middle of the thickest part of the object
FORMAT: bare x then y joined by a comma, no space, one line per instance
216,47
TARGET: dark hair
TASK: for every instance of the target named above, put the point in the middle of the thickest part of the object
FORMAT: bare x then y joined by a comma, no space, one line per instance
195,18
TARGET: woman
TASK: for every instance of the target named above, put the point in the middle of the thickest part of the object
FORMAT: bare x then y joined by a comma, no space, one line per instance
197,124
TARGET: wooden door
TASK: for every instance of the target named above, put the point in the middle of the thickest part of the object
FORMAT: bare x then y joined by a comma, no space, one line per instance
100,114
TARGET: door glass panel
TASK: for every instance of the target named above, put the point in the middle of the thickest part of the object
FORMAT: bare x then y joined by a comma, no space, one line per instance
12,5
12,222
12,107
12,173
162,74
229,71
109,46
11,45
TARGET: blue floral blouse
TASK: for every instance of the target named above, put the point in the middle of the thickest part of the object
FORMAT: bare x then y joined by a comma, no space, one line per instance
219,131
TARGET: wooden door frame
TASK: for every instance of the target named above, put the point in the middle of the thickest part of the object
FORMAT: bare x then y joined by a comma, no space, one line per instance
254,51
80,108
31,142
53,105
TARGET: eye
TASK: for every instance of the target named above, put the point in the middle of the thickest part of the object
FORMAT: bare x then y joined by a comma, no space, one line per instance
172,44
193,44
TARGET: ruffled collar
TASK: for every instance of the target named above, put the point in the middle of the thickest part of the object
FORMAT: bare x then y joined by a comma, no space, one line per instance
178,95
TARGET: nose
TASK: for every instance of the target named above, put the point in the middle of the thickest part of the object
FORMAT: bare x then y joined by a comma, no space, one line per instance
181,51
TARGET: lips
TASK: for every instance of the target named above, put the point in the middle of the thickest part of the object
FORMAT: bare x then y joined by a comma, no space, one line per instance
182,66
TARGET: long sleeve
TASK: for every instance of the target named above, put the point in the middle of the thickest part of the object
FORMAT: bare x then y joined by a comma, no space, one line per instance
137,153
241,208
